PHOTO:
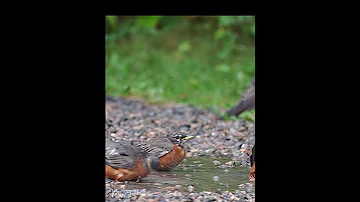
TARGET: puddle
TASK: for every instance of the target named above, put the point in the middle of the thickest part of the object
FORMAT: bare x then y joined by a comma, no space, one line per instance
194,174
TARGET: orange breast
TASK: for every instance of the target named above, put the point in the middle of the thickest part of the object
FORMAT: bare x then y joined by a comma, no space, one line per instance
172,159
120,174
252,173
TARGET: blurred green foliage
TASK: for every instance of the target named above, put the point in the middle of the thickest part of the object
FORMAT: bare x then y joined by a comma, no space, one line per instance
200,60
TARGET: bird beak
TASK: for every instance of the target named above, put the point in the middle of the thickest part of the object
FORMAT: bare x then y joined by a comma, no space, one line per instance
188,137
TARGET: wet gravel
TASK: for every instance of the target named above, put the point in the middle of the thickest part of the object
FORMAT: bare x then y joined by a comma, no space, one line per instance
133,120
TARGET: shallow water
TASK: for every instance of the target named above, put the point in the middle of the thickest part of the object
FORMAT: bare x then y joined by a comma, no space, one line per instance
194,174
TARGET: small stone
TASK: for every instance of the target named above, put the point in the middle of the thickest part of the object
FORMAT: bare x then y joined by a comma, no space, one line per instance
185,127
188,154
216,178
168,188
190,188
222,166
230,163
216,162
209,150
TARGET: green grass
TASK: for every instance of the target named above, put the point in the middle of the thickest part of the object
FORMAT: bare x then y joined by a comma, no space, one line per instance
181,63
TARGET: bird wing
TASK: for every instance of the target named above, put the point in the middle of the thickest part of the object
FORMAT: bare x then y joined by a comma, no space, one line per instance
119,155
158,146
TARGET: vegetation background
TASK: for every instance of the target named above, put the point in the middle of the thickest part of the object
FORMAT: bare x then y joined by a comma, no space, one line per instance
205,61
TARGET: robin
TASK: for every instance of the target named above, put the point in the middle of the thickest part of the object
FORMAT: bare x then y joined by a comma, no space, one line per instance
127,162
252,163
169,149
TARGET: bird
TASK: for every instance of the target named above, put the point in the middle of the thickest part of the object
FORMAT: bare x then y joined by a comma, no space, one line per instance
252,164
247,101
169,149
124,161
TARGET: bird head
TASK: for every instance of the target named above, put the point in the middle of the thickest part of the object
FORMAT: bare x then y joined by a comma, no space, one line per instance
179,138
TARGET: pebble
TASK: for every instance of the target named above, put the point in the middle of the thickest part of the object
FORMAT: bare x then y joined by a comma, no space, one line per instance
179,187
190,188
134,120
216,178
215,162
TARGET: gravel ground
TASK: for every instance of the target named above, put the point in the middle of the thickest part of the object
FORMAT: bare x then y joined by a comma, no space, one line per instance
133,120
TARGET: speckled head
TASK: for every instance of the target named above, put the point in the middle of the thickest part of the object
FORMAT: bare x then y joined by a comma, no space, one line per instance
179,138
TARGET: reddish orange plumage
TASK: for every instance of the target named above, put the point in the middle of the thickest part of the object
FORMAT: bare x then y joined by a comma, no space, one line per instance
172,159
252,173
169,149
121,174
124,161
